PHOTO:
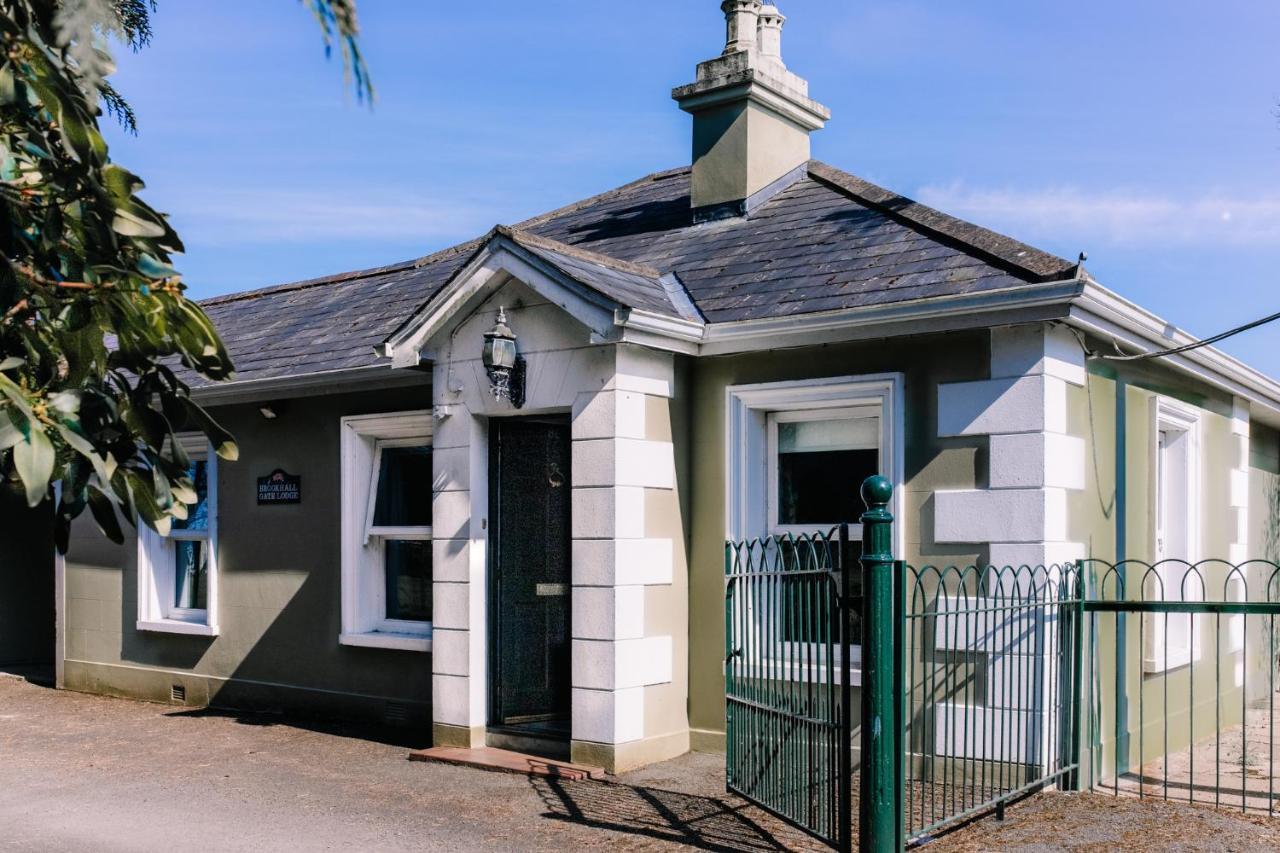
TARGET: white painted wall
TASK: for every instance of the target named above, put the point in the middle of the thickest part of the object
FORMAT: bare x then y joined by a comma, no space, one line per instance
606,390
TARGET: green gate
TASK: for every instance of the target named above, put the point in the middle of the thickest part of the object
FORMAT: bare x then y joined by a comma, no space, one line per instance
789,605
966,683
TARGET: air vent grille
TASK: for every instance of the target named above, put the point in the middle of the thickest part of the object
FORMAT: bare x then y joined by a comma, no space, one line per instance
178,693
396,713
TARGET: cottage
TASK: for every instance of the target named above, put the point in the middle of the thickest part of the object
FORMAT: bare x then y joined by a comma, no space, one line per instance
488,490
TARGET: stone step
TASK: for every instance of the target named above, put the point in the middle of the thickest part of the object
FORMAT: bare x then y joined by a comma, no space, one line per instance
505,761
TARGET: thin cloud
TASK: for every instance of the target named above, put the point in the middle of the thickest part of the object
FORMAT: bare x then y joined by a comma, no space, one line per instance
229,217
1118,217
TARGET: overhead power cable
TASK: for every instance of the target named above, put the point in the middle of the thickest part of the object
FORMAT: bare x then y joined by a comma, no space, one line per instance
1188,347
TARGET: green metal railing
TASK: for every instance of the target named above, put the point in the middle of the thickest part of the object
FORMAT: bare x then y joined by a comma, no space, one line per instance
1183,682
991,675
979,685
789,602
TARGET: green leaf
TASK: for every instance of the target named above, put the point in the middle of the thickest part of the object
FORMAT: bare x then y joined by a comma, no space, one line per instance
66,402
85,448
224,445
11,362
34,460
153,268
104,513
128,224
10,389
10,433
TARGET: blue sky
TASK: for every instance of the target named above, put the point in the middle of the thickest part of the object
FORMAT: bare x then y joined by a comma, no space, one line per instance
1143,132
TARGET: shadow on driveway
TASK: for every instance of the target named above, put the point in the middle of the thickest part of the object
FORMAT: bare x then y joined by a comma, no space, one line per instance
703,823
406,737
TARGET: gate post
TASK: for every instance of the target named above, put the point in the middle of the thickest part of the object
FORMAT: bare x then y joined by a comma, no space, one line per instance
879,799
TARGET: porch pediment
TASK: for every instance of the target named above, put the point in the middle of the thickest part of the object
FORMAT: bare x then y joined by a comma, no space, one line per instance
619,302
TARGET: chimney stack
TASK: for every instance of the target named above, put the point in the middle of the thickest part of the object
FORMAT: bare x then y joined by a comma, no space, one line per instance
751,116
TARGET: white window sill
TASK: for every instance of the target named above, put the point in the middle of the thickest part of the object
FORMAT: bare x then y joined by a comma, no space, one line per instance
382,640
176,626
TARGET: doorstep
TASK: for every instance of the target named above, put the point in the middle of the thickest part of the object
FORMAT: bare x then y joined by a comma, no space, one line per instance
505,761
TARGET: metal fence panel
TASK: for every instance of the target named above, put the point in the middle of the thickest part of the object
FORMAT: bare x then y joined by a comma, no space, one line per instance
990,661
1183,684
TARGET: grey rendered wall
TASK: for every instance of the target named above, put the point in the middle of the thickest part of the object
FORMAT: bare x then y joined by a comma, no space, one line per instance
280,588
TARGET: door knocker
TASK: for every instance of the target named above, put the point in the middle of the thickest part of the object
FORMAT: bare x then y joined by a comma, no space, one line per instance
555,477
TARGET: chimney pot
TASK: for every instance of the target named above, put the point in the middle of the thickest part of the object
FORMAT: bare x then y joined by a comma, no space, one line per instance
769,34
741,22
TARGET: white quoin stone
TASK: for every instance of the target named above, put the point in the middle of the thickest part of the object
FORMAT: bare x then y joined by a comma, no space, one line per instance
608,716
741,22
1035,459
1006,405
1032,350
624,462
1000,515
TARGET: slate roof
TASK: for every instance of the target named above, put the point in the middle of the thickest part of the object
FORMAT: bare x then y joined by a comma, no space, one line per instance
828,241
629,284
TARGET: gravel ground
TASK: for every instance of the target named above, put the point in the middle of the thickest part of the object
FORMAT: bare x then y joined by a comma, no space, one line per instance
1098,822
84,772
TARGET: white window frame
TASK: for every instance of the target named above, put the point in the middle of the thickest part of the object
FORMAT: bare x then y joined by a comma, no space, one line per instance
364,621
752,412
1169,416
806,415
156,555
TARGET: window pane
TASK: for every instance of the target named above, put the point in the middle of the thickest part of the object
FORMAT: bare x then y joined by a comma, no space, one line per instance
821,466
404,488
191,579
198,515
830,434
408,580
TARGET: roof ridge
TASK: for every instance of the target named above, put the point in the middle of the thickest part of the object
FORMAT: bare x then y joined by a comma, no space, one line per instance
991,245
599,197
536,240
449,251
342,277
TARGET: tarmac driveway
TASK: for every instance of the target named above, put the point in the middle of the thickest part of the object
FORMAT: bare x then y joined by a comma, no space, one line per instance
84,772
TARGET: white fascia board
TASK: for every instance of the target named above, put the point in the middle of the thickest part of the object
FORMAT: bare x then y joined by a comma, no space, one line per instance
503,260
403,346
1106,314
1025,303
658,331
308,385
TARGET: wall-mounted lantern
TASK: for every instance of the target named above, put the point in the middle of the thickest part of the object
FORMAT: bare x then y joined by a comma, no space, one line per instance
503,363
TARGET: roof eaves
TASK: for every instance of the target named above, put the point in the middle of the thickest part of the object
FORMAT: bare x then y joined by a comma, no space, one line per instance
1004,252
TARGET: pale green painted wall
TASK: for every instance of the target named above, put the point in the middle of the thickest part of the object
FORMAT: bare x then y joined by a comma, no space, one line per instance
1195,706
931,463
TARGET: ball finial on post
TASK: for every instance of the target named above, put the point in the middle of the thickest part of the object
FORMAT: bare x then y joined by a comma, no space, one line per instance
877,491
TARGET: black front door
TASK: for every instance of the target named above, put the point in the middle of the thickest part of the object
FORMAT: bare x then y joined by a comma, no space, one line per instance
530,578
